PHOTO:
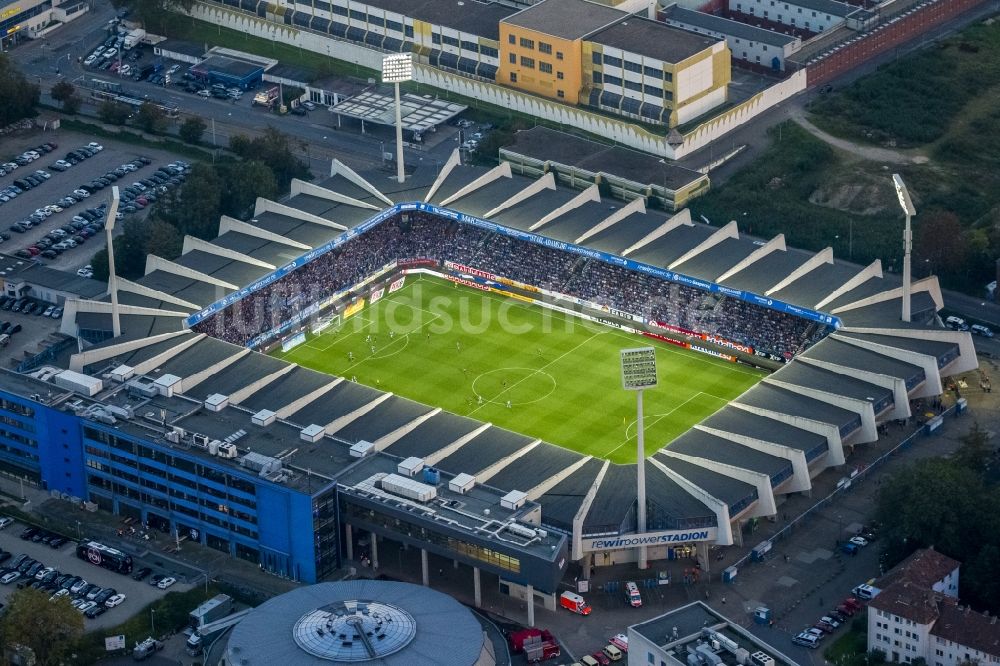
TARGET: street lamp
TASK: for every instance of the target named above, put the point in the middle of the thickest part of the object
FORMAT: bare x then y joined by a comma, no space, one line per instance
152,621
907,205
638,373
397,68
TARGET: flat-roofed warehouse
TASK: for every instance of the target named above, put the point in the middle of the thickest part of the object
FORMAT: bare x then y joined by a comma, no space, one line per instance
230,72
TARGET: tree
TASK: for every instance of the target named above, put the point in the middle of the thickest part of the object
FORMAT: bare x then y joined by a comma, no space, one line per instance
151,118
273,148
192,129
19,97
155,12
941,243
50,629
975,450
113,113
243,182
140,238
62,91
72,104
196,207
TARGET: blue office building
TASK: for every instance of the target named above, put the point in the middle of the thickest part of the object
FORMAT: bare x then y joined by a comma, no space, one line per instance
136,449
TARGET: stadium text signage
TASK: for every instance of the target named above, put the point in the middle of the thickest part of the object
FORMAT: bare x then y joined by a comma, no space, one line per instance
649,539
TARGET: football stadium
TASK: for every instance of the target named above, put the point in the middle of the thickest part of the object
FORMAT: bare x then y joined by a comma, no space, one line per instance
435,364
524,368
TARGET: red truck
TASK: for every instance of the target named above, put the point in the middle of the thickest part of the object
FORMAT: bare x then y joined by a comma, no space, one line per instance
536,644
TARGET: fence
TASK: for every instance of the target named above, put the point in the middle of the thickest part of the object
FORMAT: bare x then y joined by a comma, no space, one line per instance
46,355
620,130
861,475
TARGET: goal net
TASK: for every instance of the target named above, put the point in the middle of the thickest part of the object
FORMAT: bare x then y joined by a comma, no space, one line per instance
323,322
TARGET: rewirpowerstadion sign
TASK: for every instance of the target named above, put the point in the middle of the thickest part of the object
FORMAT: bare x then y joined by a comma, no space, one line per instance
670,538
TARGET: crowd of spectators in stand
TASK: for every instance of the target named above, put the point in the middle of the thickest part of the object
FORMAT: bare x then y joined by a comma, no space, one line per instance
420,235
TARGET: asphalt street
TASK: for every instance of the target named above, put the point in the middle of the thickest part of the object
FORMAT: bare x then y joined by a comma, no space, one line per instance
48,59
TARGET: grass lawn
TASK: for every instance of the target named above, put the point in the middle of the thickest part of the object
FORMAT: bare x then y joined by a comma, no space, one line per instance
470,353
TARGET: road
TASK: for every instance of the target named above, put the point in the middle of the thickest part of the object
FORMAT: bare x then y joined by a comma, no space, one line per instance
47,60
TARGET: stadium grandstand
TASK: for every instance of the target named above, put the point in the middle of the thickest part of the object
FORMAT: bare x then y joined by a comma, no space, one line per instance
189,382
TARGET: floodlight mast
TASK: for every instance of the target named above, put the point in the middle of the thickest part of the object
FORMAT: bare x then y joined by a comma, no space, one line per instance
109,227
907,205
638,373
397,68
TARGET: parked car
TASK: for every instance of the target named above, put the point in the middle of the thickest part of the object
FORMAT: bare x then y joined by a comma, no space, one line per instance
166,582
115,600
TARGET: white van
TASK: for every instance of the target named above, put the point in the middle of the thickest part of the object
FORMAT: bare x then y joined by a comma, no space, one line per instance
979,329
612,653
956,323
866,592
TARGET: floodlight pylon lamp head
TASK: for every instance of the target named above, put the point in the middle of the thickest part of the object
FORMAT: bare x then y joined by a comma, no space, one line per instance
397,67
903,194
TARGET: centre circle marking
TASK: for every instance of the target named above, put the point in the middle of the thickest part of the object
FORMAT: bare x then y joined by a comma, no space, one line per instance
522,374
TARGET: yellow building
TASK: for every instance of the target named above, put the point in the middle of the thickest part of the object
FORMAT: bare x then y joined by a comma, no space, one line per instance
583,53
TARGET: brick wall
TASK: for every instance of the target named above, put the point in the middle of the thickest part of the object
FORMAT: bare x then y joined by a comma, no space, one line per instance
889,37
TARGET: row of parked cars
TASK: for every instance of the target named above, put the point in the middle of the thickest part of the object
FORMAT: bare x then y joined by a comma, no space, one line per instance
108,52
28,306
72,234
135,197
26,158
811,637
141,193
19,186
90,599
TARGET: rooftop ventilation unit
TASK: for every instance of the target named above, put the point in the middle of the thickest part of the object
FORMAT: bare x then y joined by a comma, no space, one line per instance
213,446
723,641
410,466
166,385
216,402
122,373
80,383
144,388
312,433
761,658
462,483
521,531
264,465
264,417
513,500
124,413
199,440
406,487
227,450
362,449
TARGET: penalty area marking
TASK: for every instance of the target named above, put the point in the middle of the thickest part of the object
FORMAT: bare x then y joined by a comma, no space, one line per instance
653,419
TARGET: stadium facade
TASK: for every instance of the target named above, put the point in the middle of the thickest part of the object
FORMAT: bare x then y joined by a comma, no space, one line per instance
292,469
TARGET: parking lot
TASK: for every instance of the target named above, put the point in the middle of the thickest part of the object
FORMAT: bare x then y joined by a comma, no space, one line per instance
137,593
59,185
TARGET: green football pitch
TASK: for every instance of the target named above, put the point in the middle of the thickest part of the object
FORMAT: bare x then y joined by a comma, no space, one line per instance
521,367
